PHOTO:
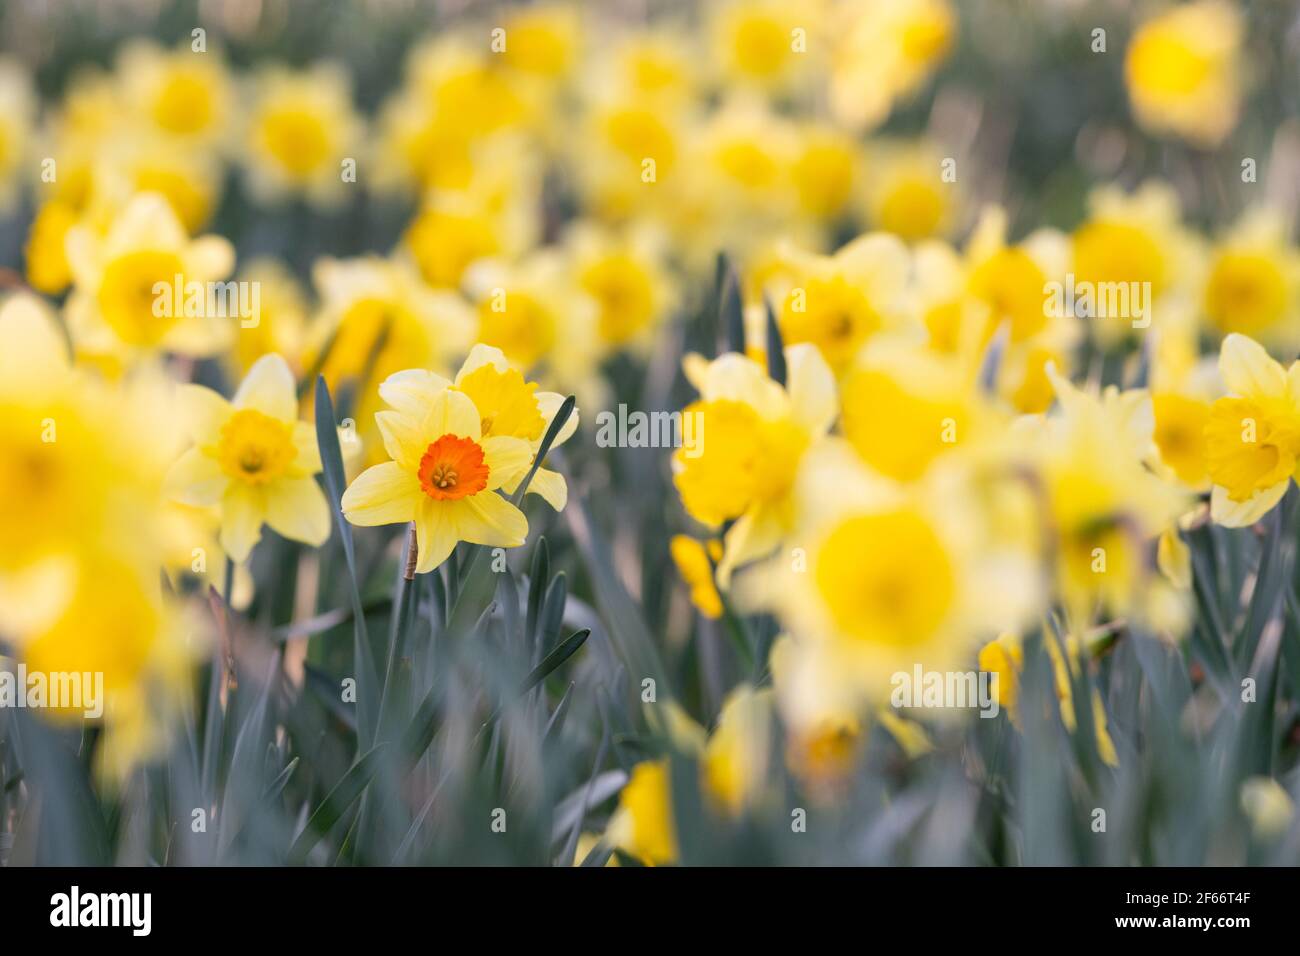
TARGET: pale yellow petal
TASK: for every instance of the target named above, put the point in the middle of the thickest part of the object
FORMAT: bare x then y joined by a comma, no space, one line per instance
307,460
403,439
481,355
1240,514
203,411
242,510
435,534
810,384
209,258
548,403
196,479
297,509
382,494
551,486
411,390
487,518
34,354
1248,370
450,413
269,388
507,458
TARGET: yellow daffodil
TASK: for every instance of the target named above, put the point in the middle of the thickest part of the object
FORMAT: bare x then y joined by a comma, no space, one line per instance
508,406
751,435
377,318
1252,438
625,275
906,193
735,759
1183,72
838,302
880,578
1252,285
643,823
1104,519
543,41
301,130
444,474
125,301
182,93
255,458
764,43
281,321
695,561
884,52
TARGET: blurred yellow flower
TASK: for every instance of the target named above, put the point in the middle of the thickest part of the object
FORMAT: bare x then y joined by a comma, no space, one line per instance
643,823
1182,71
695,561
124,301
301,131
1253,281
1252,438
183,93
751,435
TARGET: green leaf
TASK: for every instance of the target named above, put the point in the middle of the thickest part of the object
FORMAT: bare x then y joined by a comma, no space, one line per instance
367,676
775,349
566,649
336,803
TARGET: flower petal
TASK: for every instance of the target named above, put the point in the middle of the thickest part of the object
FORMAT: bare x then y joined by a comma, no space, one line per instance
1240,514
435,534
1248,370
307,461
551,486
548,403
481,355
410,391
487,518
811,386
242,509
450,413
297,508
382,494
508,460
203,412
196,479
269,388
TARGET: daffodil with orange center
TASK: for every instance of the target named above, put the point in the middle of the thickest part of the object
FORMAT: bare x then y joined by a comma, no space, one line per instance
444,475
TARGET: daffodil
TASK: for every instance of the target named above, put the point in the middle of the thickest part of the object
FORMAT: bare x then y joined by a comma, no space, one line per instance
1183,71
906,194
626,276
376,318
878,577
1252,438
182,93
735,759
301,129
1104,519
764,43
882,53
838,302
445,473
508,406
643,823
1252,284
124,301
753,434
255,458
695,561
